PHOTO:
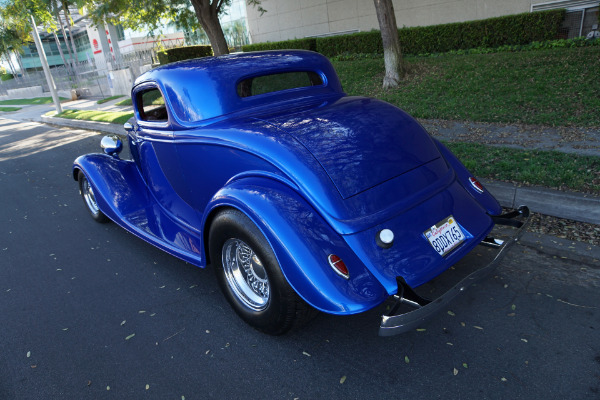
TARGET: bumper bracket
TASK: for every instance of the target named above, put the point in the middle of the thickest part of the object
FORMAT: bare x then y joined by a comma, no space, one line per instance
392,324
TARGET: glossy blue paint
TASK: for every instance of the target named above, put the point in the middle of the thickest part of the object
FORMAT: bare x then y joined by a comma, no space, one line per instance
317,171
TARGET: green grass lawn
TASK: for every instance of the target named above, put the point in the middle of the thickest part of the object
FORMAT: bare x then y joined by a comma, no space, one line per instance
102,116
7,109
102,101
549,87
531,167
37,100
126,102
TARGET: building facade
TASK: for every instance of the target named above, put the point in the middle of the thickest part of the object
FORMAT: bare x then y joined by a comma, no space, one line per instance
295,19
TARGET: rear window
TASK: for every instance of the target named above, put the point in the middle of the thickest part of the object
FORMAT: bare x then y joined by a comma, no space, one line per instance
278,82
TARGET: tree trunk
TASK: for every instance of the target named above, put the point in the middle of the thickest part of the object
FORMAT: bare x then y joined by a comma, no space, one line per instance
208,17
394,66
68,18
62,28
13,71
20,62
62,55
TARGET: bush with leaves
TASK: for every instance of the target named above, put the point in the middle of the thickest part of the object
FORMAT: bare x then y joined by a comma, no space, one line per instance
184,53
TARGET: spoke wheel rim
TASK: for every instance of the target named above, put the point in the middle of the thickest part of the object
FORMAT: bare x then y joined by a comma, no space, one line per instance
88,196
246,275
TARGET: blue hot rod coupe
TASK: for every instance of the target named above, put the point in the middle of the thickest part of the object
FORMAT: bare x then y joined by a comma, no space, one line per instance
301,197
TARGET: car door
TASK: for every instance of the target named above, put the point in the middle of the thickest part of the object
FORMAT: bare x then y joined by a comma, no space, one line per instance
157,158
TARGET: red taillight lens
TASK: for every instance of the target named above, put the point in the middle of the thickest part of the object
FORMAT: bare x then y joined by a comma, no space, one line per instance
338,266
476,185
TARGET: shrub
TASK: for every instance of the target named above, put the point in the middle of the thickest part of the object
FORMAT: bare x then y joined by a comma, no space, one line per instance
184,53
519,29
297,44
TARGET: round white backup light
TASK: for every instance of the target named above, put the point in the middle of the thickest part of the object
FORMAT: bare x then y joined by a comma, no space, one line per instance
385,238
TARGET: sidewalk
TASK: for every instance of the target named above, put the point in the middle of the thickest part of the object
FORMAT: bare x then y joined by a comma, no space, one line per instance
570,205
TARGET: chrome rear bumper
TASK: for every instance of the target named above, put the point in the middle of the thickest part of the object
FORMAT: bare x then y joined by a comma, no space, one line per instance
392,324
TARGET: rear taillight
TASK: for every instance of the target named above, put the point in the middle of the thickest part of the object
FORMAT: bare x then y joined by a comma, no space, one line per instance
337,264
476,185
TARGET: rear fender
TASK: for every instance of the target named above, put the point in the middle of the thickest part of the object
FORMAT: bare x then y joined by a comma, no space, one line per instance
486,199
302,241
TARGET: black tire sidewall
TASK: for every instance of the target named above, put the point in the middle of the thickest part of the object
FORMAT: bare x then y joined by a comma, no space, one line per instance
278,317
99,216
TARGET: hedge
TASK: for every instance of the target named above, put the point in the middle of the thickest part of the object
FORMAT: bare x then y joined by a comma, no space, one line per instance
183,53
6,77
297,44
516,29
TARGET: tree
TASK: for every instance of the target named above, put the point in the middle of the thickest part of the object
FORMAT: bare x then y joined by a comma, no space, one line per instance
394,65
153,13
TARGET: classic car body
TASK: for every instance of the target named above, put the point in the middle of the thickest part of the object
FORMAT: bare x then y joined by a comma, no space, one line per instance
304,198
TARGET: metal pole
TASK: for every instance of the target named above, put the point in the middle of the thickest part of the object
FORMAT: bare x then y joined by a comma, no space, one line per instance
40,49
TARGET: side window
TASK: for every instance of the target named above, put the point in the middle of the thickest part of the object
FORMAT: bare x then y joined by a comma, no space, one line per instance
277,82
151,106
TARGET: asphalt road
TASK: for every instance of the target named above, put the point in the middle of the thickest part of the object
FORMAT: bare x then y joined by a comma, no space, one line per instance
90,311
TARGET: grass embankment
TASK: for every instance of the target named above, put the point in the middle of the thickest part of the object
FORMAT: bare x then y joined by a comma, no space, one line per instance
101,116
8,109
126,102
35,101
102,101
549,87
531,167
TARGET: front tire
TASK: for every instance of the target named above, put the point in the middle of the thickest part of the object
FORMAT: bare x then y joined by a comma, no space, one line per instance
89,199
250,277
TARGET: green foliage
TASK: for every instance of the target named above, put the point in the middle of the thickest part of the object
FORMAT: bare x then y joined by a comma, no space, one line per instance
362,42
514,30
297,44
35,100
6,76
114,117
556,87
493,32
535,167
107,99
126,102
548,44
184,53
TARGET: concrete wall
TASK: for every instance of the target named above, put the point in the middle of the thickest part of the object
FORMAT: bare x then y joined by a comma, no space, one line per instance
120,82
289,19
25,93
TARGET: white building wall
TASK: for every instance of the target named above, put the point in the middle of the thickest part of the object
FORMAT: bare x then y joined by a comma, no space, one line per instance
295,19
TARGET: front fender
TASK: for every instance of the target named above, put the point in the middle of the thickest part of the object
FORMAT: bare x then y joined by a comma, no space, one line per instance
117,184
302,241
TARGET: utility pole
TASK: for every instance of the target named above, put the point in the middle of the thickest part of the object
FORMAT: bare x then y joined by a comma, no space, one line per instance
49,79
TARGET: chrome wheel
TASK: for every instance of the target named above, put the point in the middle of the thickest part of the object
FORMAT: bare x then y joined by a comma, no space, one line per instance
246,275
88,195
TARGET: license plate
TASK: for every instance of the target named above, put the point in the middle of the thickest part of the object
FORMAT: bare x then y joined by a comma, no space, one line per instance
445,235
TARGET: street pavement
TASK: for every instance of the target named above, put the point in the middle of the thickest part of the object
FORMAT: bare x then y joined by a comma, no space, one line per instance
90,311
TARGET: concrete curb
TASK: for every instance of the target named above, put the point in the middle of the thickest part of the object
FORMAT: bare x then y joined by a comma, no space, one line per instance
569,205
103,127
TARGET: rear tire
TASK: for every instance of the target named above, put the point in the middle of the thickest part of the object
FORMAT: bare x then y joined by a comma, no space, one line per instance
250,276
89,199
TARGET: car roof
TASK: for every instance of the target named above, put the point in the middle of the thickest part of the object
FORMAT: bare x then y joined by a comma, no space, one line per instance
204,88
